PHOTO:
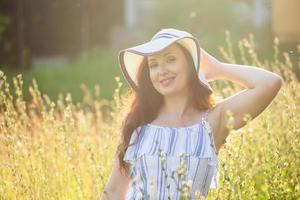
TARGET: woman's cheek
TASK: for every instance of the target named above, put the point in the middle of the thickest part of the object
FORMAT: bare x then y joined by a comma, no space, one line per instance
153,78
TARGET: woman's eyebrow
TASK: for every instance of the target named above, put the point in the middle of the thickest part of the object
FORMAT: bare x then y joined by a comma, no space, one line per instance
163,55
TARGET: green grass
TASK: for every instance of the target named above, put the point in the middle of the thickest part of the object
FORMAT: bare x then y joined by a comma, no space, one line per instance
99,67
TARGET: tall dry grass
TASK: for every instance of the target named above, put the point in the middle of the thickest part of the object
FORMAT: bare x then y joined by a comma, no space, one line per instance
65,150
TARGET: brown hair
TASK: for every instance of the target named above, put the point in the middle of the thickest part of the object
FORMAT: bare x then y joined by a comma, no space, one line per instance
147,101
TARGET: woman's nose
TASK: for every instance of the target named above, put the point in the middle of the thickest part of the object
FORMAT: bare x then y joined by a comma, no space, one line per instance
163,65
163,70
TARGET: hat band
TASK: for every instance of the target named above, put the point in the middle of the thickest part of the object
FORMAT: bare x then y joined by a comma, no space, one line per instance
164,35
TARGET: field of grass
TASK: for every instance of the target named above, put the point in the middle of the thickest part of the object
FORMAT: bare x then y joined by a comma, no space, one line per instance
97,69
63,150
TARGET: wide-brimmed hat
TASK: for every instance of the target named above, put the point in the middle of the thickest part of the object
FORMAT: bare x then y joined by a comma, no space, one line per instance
131,58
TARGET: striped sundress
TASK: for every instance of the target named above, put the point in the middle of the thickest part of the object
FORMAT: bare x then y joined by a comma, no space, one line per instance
172,163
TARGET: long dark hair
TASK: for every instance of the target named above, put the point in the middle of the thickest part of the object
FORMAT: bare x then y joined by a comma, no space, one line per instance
147,102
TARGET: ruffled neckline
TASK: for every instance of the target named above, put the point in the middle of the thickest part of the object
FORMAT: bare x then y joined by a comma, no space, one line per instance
200,122
170,127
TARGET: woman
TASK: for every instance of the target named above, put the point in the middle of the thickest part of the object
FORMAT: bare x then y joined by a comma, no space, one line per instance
173,133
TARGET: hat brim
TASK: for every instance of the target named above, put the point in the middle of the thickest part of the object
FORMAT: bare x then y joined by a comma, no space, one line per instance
131,58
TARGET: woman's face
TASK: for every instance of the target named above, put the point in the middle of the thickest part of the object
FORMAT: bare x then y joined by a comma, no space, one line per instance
169,70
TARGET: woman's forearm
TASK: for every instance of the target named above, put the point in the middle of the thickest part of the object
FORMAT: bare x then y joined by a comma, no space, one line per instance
247,76
105,196
110,195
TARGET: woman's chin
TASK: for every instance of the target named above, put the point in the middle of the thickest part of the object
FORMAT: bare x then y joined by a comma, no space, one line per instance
167,90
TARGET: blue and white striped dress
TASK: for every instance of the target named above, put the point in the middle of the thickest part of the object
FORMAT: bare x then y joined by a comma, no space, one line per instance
172,162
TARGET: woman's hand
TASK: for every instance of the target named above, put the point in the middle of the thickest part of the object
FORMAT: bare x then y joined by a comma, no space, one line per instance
209,65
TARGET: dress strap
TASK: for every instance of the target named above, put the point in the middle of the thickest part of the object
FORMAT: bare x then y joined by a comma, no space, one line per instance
206,114
209,130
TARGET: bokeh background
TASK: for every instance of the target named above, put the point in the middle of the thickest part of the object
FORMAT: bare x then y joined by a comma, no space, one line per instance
64,43
63,97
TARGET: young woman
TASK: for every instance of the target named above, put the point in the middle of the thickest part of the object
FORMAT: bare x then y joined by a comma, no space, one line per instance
175,128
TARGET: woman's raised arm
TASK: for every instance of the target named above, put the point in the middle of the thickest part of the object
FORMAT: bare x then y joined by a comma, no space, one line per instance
262,87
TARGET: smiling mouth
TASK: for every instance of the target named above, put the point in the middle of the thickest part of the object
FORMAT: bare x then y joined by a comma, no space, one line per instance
167,81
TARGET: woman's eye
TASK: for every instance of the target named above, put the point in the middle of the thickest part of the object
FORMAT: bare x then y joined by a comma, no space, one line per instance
153,65
171,59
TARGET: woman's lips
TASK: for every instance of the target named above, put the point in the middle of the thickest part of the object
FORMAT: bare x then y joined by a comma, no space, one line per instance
167,82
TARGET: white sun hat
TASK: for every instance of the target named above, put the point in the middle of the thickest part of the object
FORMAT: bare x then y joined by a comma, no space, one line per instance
131,58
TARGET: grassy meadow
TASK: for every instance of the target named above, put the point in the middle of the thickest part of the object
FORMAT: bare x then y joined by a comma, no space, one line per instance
94,68
63,150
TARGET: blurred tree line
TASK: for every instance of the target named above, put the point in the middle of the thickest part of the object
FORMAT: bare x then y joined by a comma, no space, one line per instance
210,20
45,28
